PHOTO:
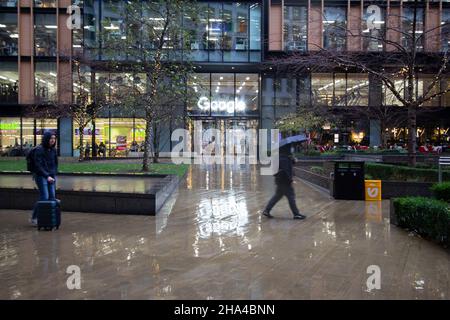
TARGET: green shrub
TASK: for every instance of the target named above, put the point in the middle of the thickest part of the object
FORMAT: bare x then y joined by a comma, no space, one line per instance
309,153
428,217
403,173
318,170
441,191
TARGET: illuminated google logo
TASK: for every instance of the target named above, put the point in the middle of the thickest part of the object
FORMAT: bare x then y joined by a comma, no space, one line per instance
221,105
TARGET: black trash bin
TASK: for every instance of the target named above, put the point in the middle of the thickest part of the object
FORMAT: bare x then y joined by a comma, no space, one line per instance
349,180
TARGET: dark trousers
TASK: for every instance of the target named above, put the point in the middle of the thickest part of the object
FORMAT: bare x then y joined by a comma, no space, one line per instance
284,190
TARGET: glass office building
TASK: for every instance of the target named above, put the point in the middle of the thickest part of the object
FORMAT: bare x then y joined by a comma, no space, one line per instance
229,43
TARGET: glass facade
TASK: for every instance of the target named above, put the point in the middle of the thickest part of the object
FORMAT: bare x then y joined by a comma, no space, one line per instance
45,30
340,89
334,27
17,135
121,136
45,81
9,34
407,27
9,82
373,27
445,30
295,29
45,3
8,3
215,32
224,94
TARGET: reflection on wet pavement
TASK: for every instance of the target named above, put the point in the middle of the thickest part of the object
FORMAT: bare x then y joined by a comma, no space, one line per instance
209,242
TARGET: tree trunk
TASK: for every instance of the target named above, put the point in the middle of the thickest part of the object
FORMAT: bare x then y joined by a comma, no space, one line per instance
147,141
81,156
155,144
412,129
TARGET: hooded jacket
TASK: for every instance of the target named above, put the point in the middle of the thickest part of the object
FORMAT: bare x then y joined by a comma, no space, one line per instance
46,159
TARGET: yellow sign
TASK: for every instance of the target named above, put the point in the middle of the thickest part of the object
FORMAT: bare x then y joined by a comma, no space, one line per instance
373,190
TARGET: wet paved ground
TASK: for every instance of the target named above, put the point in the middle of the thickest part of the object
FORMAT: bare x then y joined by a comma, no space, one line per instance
85,183
209,242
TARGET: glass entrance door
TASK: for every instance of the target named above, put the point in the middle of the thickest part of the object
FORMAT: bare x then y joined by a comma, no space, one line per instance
222,125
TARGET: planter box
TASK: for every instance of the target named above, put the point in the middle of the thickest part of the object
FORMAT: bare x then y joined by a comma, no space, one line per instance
392,216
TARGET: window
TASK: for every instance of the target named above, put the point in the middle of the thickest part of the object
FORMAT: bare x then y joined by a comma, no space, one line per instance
196,25
247,89
200,84
340,89
357,90
9,135
28,131
445,31
373,27
322,89
45,29
90,26
45,125
422,84
389,98
45,3
285,91
8,34
229,32
334,24
113,28
224,94
295,28
235,31
407,25
255,30
9,82
8,3
45,81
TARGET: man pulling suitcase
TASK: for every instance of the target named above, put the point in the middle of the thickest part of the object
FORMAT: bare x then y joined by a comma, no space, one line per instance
42,161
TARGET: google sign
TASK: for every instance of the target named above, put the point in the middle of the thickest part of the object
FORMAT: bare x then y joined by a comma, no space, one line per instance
221,105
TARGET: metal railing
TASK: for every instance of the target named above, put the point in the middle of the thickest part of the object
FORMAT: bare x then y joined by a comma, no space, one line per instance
443,161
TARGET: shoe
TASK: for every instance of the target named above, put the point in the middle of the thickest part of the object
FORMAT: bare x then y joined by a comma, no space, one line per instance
299,216
267,214
33,222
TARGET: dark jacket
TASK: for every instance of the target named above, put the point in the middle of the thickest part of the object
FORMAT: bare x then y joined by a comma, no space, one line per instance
46,159
285,173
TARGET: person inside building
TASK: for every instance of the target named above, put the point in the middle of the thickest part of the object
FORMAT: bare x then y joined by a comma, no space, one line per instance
45,170
102,149
87,151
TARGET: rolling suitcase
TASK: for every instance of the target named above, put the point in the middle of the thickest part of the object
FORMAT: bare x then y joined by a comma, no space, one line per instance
48,215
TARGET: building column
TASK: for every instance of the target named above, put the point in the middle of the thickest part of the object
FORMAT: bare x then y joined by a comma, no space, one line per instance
65,137
375,133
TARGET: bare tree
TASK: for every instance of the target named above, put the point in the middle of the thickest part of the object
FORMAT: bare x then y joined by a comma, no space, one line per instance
151,40
397,68
87,101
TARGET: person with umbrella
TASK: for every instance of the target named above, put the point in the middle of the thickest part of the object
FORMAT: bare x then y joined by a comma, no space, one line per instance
284,180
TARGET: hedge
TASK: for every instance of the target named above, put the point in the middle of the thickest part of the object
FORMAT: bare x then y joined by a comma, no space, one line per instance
403,173
428,217
441,191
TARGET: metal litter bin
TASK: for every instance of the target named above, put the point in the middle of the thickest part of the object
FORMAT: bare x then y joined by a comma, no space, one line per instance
349,180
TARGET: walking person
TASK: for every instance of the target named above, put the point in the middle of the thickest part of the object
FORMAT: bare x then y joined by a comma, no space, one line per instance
283,181
45,170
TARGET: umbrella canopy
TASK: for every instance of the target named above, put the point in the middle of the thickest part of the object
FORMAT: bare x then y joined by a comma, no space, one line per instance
293,139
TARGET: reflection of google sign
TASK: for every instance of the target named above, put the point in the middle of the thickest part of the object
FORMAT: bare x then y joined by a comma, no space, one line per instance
220,105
